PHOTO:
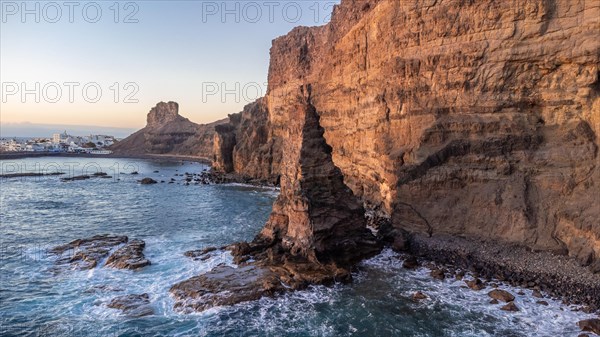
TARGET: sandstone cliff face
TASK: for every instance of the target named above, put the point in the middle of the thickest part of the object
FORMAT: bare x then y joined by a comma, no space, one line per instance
168,133
471,118
246,146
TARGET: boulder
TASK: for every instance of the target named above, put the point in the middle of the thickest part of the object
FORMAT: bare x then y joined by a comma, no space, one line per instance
418,296
410,263
501,295
510,306
438,274
590,325
148,181
475,284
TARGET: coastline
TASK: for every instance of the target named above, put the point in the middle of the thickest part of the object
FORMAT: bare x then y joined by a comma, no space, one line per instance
557,276
22,155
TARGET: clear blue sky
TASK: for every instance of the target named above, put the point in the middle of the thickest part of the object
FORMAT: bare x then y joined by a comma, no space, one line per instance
174,51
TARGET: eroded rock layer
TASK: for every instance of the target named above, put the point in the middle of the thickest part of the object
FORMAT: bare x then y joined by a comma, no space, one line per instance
471,118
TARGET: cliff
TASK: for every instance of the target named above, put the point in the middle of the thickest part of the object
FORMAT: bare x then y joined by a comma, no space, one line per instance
476,119
168,133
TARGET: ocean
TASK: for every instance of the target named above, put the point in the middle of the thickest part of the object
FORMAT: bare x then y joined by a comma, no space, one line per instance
38,213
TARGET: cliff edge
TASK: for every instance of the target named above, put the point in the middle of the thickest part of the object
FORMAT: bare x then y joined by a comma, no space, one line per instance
477,119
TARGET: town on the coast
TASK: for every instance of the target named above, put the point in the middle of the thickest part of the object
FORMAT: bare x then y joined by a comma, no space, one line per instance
59,143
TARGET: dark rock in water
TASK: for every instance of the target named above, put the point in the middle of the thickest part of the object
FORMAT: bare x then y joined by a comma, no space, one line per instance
438,274
494,301
103,288
85,254
475,284
537,294
29,174
225,286
542,302
411,263
100,174
130,256
510,306
400,243
148,181
135,173
418,296
501,295
583,335
199,254
133,305
82,177
156,171
590,325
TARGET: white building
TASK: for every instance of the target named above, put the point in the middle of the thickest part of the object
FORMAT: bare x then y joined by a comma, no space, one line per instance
60,137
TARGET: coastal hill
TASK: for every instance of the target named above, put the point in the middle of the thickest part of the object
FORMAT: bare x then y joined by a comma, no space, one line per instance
168,133
475,119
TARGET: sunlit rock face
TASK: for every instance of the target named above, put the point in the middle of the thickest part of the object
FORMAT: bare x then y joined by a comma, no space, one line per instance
168,133
471,118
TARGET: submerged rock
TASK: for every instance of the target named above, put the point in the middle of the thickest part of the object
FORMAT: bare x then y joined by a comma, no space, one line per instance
29,174
133,305
148,181
418,296
510,306
82,177
130,256
225,285
438,274
200,254
411,263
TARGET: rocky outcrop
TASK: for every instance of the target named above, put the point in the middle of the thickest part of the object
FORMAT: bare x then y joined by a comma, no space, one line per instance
315,234
168,133
316,215
84,254
132,305
130,256
225,286
470,118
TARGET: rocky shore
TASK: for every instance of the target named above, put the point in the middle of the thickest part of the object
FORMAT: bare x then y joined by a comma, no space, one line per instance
558,276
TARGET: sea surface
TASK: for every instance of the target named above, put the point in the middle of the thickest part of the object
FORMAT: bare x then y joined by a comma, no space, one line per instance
37,213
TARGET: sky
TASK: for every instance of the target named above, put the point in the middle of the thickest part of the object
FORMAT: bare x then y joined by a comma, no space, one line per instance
106,63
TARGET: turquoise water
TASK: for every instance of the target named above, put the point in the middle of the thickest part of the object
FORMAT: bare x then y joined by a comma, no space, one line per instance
40,212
